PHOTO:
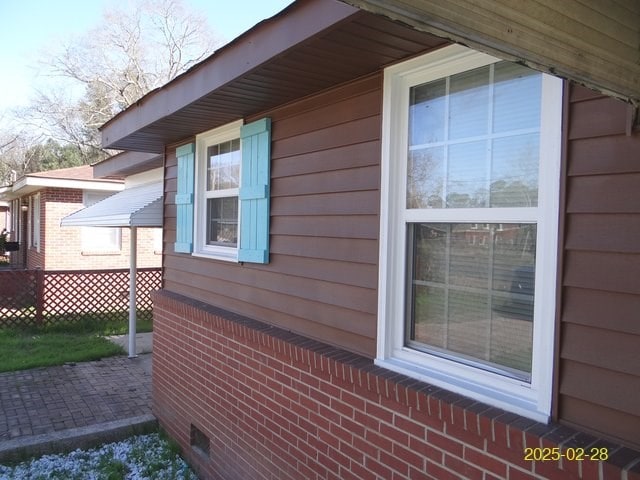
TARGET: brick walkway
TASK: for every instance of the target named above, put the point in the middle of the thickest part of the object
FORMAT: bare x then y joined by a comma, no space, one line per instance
48,400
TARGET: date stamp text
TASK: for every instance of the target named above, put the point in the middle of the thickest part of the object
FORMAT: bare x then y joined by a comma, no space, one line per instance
547,454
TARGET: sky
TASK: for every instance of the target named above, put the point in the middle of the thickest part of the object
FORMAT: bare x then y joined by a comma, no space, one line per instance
28,27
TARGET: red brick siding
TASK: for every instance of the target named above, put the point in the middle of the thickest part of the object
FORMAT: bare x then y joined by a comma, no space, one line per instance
61,247
278,405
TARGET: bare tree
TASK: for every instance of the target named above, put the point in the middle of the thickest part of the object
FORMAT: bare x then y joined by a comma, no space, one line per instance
129,54
18,155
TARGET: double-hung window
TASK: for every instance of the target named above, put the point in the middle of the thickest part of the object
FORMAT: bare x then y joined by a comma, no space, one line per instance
470,166
217,186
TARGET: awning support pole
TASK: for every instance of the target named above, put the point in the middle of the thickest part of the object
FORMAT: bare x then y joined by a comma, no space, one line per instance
133,246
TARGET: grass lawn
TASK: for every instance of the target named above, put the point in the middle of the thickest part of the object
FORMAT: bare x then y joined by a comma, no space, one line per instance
24,348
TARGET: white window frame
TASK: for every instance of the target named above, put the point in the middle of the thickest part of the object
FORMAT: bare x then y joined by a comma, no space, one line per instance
88,233
16,222
222,134
532,399
35,214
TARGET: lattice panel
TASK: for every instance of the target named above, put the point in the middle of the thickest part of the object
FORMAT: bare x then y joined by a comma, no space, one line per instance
76,294
18,297
147,281
52,296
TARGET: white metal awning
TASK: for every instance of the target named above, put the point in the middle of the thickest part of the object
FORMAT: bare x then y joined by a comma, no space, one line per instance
134,207
139,206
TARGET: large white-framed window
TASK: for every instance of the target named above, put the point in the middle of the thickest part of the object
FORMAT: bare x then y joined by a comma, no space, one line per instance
99,240
217,186
469,219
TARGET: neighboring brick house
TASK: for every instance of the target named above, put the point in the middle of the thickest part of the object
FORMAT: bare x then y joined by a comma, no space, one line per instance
326,312
39,201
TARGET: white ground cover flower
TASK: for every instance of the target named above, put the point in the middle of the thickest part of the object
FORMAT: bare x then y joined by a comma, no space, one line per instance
144,457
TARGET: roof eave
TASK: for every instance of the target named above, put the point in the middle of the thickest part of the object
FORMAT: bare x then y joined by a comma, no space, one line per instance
570,41
27,185
269,39
127,163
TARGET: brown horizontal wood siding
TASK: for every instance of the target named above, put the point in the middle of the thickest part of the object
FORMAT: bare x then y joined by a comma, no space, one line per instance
599,367
321,281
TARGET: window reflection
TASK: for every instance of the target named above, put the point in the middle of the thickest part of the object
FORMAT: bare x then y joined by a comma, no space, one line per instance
473,292
474,139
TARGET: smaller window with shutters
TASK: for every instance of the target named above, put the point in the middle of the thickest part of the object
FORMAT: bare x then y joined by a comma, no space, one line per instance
222,196
218,159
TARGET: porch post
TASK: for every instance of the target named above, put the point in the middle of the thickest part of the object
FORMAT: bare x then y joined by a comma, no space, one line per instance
133,244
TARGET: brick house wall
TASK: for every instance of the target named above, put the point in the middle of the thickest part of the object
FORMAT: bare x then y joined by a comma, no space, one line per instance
266,403
61,247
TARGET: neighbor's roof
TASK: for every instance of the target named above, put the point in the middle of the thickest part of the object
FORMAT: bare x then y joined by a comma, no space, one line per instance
139,206
83,172
75,177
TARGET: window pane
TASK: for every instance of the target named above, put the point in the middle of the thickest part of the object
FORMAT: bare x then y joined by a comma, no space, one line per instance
429,311
430,252
467,180
516,97
469,100
474,139
469,255
425,171
222,221
427,113
514,171
472,292
223,166
468,323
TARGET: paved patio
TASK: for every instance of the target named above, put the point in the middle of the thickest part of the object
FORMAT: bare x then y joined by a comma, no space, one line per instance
46,409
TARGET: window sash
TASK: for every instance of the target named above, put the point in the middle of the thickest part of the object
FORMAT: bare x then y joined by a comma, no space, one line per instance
223,174
458,139
222,250
456,263
222,225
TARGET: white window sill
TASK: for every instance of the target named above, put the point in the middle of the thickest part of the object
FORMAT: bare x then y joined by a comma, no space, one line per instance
223,256
500,392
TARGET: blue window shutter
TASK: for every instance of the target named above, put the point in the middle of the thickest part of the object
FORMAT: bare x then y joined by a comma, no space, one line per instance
254,192
184,199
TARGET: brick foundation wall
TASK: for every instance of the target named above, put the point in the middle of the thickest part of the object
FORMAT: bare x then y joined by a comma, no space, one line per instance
268,404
